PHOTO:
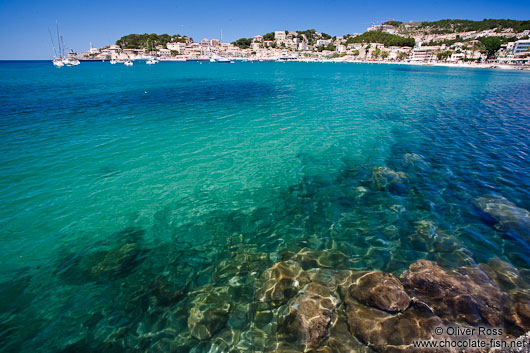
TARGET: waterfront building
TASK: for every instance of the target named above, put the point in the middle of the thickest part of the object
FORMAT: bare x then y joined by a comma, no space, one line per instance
303,46
178,47
257,39
521,47
280,36
426,53
93,50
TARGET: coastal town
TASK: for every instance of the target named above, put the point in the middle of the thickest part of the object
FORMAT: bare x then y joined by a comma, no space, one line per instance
446,42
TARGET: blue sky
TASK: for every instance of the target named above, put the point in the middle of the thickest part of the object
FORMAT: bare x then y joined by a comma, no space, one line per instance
24,24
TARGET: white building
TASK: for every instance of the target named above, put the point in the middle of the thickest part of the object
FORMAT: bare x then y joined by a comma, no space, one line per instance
521,46
424,53
323,42
280,36
179,47
383,28
303,46
93,50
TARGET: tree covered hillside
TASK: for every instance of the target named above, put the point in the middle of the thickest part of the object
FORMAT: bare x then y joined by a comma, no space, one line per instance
451,26
146,41
387,39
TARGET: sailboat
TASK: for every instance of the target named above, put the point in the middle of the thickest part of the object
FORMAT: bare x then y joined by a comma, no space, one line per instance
57,61
60,58
152,60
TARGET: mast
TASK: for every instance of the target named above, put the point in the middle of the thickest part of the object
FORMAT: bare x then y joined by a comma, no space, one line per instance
62,44
58,37
53,45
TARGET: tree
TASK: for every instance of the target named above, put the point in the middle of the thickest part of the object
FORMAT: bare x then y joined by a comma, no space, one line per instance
385,54
376,53
393,23
490,45
146,41
329,47
355,52
243,43
444,55
386,39
402,55
269,36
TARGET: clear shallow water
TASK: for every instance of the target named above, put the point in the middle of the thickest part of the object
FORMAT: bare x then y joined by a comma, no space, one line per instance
113,176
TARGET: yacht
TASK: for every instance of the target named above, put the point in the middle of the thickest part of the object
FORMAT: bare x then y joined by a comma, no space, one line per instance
224,60
128,63
61,59
70,61
152,61
113,61
58,62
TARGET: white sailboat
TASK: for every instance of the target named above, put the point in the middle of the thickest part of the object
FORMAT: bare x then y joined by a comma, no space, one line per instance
152,60
57,61
60,58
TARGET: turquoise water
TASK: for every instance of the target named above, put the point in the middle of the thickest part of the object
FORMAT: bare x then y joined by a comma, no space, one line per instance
113,177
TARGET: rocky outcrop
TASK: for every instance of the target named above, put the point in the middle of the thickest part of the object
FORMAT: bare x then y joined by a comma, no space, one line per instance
456,297
468,296
309,315
380,290
386,332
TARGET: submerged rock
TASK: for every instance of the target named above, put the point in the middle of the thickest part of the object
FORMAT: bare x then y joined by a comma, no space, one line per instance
105,265
381,290
470,296
209,313
386,332
384,178
505,215
281,282
322,259
309,315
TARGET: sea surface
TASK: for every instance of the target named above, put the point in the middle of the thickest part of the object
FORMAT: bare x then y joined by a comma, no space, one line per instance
116,179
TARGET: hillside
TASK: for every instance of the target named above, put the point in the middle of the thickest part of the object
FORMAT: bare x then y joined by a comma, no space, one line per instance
145,41
456,25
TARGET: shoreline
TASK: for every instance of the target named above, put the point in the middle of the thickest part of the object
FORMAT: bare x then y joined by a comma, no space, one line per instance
437,64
